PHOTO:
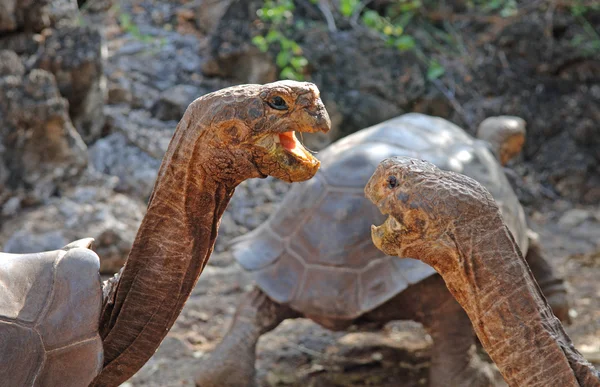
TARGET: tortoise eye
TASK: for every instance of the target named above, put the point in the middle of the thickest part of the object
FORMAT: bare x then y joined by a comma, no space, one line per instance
392,181
278,103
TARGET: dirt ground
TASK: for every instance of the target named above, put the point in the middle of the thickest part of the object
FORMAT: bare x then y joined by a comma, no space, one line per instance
300,353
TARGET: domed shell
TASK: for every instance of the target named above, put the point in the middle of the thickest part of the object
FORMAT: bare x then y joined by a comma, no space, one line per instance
315,252
49,314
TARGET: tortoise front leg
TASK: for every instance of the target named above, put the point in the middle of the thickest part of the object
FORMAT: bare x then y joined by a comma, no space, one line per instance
231,363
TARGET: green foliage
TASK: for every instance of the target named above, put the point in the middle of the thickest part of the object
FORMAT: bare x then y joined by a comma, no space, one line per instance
581,7
435,70
279,15
391,26
587,42
505,8
348,7
392,31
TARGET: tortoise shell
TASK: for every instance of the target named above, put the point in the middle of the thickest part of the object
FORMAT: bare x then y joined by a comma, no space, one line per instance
49,314
315,253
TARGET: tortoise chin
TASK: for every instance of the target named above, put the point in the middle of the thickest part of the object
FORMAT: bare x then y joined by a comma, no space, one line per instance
386,237
286,158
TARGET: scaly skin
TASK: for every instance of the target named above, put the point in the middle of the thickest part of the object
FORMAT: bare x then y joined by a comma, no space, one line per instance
452,223
223,138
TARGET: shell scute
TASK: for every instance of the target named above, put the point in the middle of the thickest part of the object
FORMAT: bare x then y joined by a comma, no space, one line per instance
300,202
71,315
25,284
336,226
258,249
21,354
288,272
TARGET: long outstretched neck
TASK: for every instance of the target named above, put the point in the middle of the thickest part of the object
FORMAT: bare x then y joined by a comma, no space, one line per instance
171,248
488,276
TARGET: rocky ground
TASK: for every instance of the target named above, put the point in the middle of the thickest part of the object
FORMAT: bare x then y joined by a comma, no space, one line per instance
108,135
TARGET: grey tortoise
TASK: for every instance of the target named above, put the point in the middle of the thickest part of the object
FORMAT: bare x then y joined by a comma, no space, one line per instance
314,257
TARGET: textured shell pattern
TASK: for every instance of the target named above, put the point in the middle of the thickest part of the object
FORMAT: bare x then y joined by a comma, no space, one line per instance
315,253
49,313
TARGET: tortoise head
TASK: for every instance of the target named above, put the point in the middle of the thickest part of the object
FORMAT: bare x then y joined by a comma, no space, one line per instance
258,123
506,135
424,204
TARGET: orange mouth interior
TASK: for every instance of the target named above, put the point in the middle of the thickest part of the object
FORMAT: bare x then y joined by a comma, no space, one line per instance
287,140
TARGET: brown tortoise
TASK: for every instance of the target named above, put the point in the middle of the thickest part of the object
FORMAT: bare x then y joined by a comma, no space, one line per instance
54,329
314,256
452,223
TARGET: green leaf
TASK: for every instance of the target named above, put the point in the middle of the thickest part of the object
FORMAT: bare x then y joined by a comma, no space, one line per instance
347,7
410,6
290,73
371,19
261,43
298,62
273,36
405,42
283,59
435,70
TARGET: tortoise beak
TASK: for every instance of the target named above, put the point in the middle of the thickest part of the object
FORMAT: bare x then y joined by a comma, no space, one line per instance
318,118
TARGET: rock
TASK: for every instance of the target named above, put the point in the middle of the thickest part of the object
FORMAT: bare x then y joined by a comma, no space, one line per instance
232,53
25,43
574,217
208,13
300,353
374,356
42,149
95,5
143,96
222,280
252,66
23,14
73,55
62,10
86,211
11,207
115,155
119,91
10,64
173,102
147,133
547,80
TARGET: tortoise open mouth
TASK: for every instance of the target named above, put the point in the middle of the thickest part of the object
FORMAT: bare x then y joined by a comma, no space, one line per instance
290,160
291,144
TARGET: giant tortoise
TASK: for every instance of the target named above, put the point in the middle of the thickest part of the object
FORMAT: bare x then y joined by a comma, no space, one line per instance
57,326
451,222
314,257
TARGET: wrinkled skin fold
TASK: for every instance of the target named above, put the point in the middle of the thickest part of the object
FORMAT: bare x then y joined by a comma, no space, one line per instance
223,139
451,222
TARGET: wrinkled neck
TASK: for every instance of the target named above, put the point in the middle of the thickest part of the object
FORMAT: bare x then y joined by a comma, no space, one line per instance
171,248
488,276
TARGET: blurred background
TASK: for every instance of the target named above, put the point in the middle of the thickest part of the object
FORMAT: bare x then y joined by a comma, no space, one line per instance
91,92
